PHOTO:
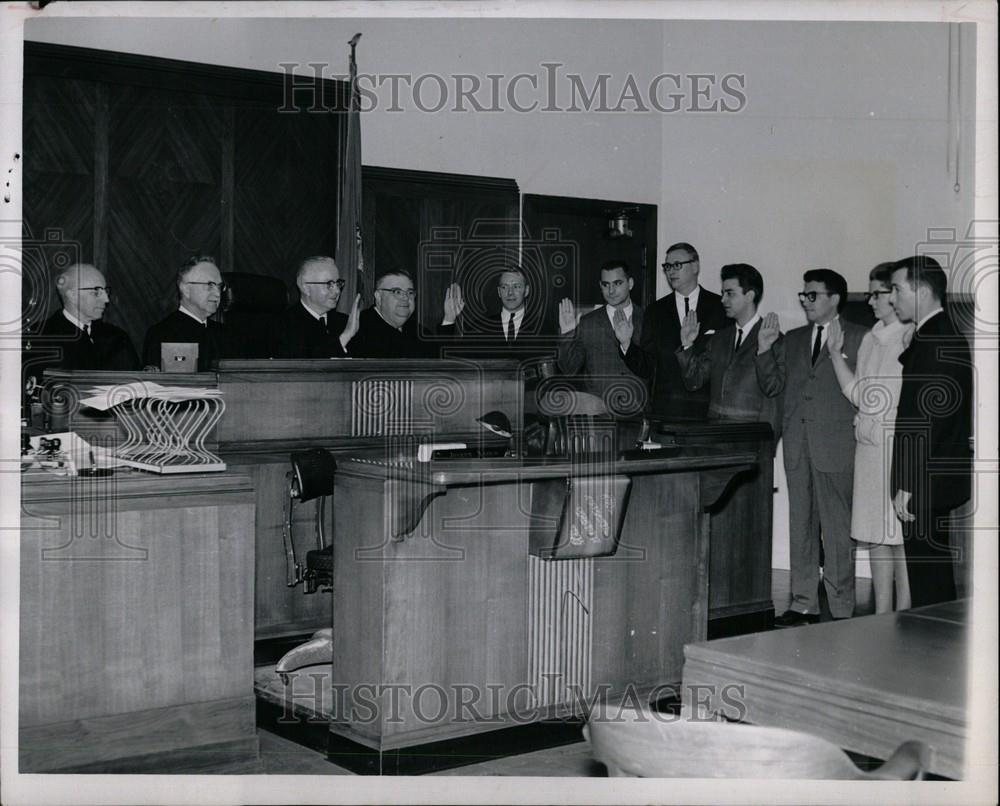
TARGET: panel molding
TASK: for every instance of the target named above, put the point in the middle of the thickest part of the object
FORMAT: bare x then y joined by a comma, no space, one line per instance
450,183
113,67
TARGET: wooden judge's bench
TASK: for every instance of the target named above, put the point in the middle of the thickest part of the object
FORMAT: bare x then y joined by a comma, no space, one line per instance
456,599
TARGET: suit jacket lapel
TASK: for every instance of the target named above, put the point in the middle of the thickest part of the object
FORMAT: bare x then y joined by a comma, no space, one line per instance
702,308
672,318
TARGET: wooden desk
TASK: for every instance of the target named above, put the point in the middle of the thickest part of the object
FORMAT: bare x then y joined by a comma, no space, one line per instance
868,684
460,602
136,643
739,586
274,407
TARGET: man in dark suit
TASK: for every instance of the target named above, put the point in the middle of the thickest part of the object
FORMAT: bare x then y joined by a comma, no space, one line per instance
313,328
596,347
931,457
200,287
818,446
387,329
661,336
742,387
76,337
513,290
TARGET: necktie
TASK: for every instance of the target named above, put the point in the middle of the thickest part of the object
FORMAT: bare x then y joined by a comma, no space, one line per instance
817,343
687,306
739,338
322,320
510,329
86,329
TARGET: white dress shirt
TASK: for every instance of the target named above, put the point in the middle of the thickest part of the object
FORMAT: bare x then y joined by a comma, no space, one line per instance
692,299
505,317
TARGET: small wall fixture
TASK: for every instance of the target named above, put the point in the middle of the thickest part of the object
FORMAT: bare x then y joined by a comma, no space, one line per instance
618,223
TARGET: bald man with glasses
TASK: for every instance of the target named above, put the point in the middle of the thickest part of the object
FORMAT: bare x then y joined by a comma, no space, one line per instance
77,337
312,327
199,289
388,330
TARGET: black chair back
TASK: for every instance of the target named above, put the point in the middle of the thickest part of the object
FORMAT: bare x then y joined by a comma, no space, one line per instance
250,310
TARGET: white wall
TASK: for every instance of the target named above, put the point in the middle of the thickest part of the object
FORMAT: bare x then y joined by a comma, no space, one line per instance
839,158
572,154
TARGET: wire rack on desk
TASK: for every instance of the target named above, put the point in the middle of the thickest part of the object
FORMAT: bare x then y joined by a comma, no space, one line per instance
168,435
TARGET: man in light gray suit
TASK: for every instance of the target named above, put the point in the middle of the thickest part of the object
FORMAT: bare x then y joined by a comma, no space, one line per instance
596,347
818,439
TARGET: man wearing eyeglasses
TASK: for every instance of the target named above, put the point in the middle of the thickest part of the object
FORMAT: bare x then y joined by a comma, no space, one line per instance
200,289
77,337
313,328
388,330
595,347
818,446
661,336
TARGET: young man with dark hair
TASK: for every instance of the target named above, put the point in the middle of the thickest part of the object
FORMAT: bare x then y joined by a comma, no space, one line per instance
818,446
728,361
597,346
931,456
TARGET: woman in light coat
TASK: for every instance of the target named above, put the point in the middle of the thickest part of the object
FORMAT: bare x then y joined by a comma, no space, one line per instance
874,390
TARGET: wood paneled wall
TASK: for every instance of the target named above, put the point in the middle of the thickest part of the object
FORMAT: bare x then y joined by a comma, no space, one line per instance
135,164
442,228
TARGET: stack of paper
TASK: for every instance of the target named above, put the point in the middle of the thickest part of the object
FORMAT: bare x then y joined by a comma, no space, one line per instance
106,396
165,426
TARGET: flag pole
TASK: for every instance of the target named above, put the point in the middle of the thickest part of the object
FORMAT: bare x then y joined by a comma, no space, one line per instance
350,257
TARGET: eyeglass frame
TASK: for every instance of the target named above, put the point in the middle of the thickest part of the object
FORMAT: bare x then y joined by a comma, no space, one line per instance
328,283
678,264
811,295
879,293
97,289
222,286
400,293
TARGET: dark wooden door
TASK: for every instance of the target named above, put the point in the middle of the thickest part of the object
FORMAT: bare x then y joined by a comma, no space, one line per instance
566,241
441,228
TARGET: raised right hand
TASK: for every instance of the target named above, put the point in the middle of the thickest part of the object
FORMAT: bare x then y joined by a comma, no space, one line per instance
834,338
689,329
567,316
770,329
351,328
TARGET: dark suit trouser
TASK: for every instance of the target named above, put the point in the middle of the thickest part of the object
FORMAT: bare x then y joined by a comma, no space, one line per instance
819,505
929,560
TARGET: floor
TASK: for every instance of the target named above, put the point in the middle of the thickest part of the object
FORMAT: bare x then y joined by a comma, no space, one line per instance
284,757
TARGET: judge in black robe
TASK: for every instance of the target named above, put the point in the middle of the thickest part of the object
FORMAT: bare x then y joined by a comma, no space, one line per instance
76,337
